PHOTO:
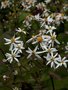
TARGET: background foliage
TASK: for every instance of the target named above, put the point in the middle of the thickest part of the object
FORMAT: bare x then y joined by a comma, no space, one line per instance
31,75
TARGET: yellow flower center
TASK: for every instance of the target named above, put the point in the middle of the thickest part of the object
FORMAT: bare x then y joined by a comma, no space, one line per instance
39,39
53,37
62,62
13,55
52,59
12,39
49,50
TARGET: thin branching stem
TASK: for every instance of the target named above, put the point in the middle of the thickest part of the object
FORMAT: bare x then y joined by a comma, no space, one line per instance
52,81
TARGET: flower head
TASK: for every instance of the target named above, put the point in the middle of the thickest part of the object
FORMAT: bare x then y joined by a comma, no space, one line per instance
12,56
52,59
62,62
34,52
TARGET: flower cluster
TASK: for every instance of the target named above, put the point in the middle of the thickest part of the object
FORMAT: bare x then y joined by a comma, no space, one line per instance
44,40
15,49
47,44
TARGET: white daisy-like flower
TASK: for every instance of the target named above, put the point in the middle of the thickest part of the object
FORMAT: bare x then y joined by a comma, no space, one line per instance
12,41
18,47
52,59
62,62
5,4
49,19
53,39
34,52
40,39
47,1
37,17
27,21
49,49
15,88
14,55
5,77
21,30
50,28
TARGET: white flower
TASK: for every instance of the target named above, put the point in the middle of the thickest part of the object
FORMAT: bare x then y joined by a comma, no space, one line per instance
34,52
37,17
51,59
18,47
49,49
20,30
27,21
49,19
5,77
47,1
53,39
12,41
61,62
12,56
15,88
40,39
49,28
5,4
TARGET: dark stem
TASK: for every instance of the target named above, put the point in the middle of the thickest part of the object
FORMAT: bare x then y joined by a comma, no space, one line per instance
52,82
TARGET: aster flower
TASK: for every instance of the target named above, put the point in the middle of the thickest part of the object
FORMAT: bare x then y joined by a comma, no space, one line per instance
15,88
62,62
41,39
27,21
49,49
5,4
14,55
18,47
49,28
34,52
47,1
53,39
49,19
52,59
21,30
12,41
37,17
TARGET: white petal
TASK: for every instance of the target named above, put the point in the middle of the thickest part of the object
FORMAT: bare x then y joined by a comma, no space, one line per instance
48,62
38,56
65,65
29,56
35,48
52,64
16,59
57,41
8,40
17,38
